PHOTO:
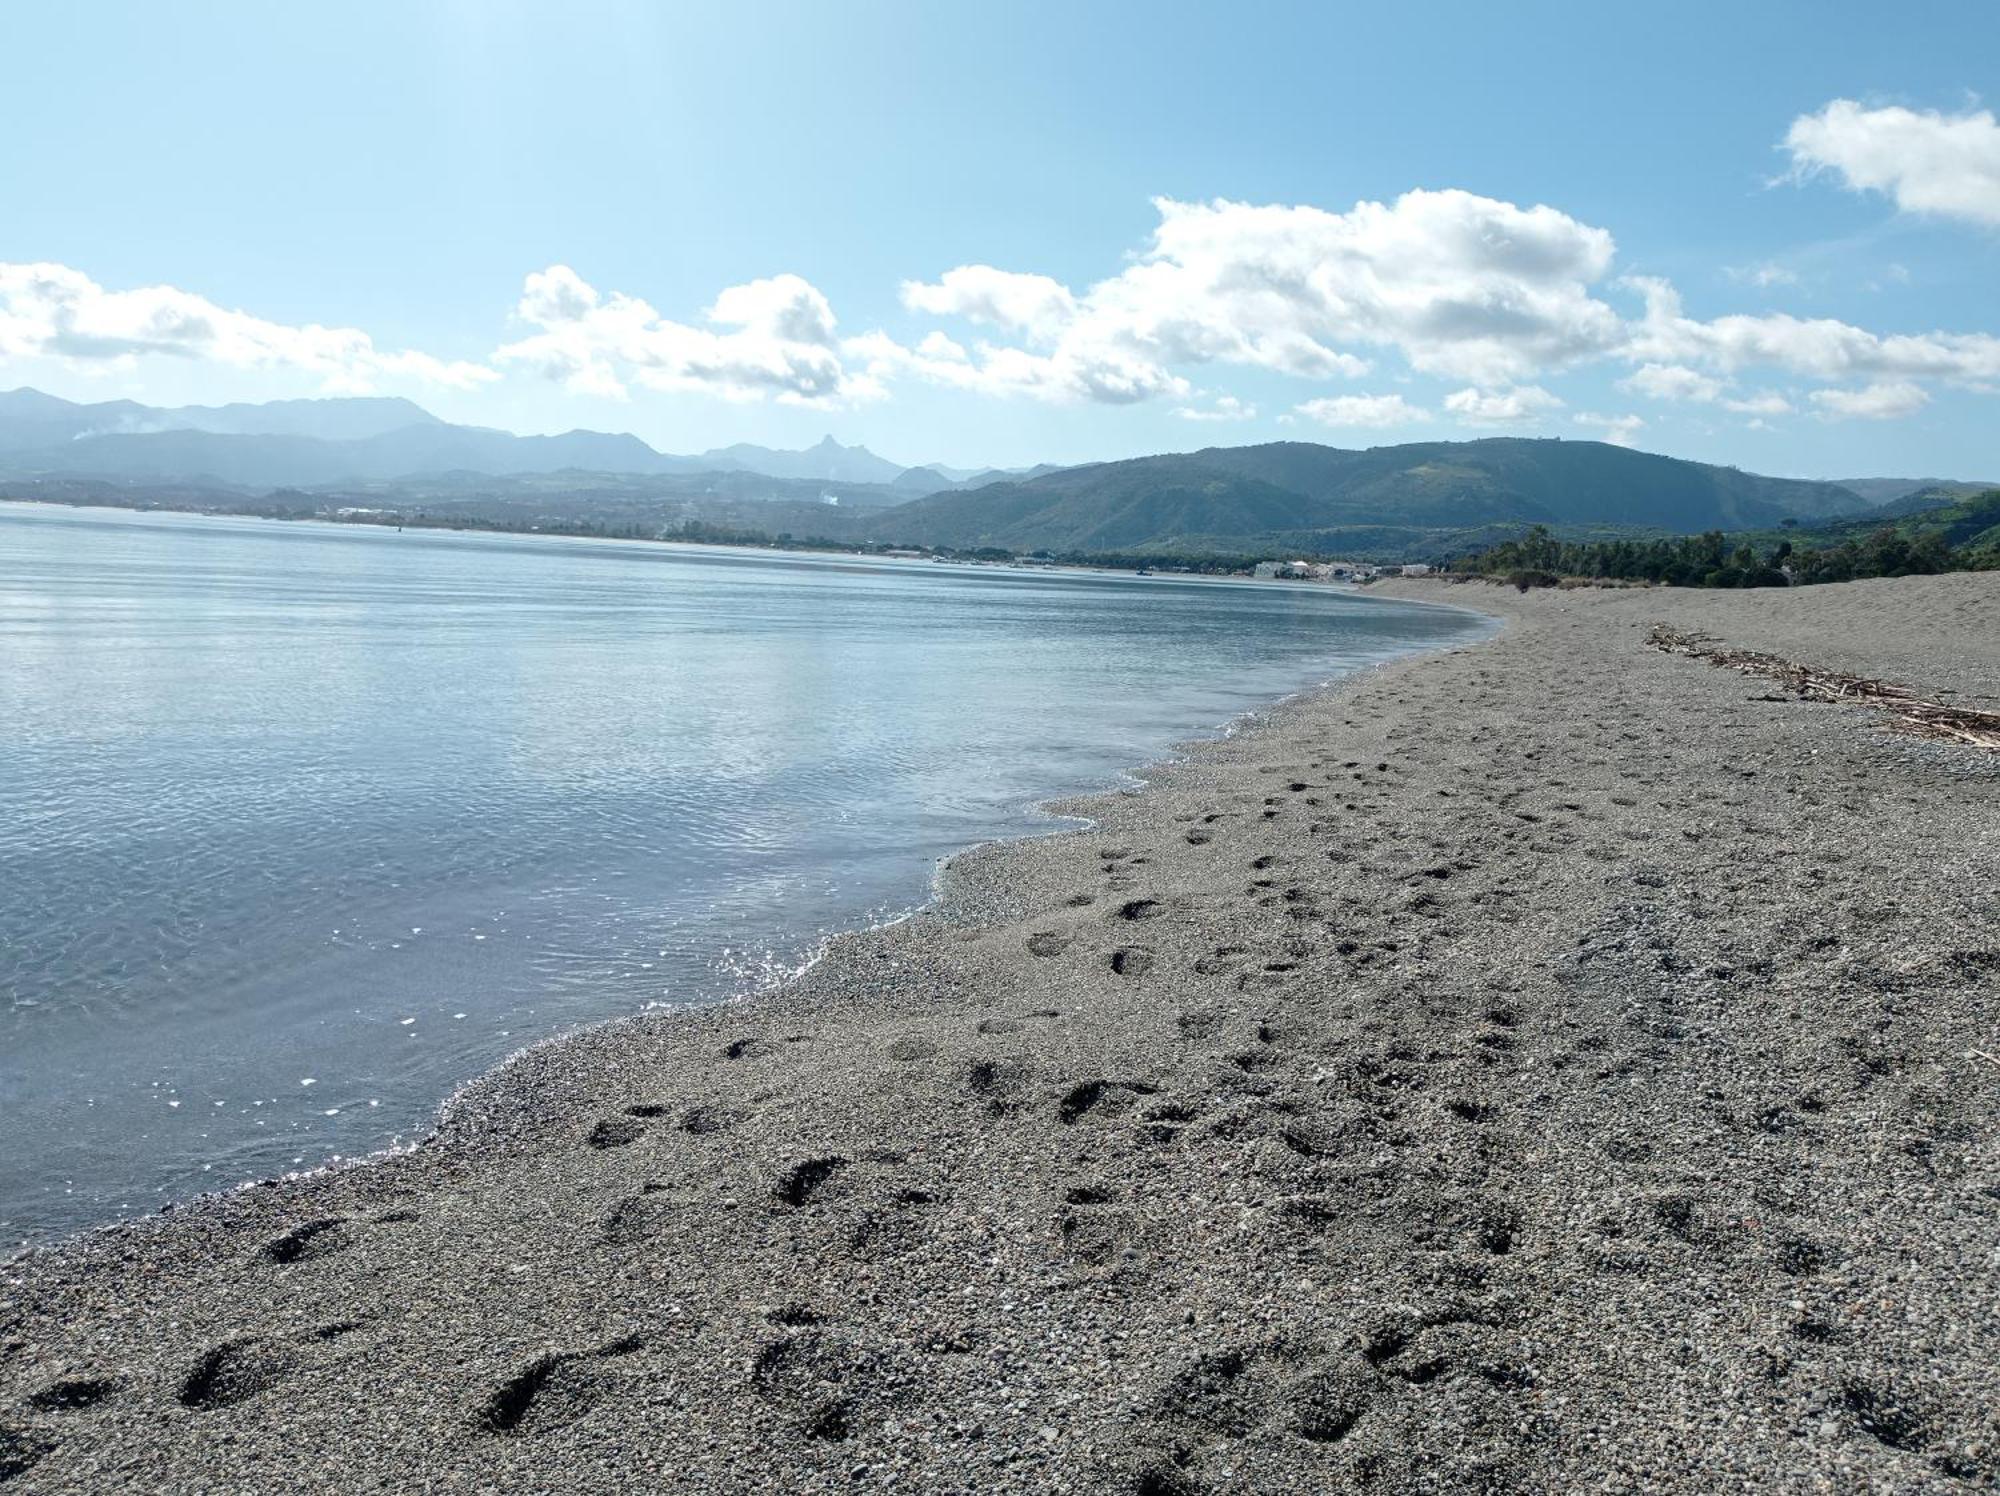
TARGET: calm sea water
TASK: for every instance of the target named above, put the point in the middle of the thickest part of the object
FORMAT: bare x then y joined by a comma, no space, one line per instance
303,826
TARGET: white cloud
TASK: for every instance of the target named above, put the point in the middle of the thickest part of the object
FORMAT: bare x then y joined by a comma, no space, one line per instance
51,310
1032,304
1522,405
1618,430
1362,411
1465,289
1760,403
1225,408
1819,347
1460,285
772,338
1933,163
1672,382
1679,383
1888,400
1102,375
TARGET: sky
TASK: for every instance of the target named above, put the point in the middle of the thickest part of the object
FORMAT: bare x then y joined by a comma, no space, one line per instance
1764,235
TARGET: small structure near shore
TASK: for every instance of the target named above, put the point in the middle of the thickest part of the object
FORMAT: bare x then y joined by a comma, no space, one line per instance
1316,571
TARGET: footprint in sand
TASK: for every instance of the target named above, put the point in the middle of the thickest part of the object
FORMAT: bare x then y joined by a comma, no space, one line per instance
551,1390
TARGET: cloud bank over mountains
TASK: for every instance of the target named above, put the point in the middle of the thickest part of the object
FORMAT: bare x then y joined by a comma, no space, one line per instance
767,339
52,310
1446,285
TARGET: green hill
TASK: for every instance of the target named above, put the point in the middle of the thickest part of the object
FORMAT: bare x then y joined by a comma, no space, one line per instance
1299,495
1887,491
1157,503
1961,534
1966,523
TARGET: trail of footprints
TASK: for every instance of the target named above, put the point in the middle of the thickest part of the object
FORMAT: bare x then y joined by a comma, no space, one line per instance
829,1381
1329,1393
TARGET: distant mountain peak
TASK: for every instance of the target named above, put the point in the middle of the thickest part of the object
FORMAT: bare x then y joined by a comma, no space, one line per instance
826,459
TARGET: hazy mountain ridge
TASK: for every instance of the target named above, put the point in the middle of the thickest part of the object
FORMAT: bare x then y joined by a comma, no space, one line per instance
828,460
1893,490
307,443
29,418
1415,497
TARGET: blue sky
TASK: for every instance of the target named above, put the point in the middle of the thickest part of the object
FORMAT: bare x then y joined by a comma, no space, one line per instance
1764,235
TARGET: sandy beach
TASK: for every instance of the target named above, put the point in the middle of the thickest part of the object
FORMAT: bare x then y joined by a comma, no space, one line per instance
1551,1064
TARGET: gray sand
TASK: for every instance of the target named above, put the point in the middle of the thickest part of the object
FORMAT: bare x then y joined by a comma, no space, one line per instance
1547,1065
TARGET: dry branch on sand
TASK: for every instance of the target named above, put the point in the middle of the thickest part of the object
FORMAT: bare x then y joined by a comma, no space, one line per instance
1930,719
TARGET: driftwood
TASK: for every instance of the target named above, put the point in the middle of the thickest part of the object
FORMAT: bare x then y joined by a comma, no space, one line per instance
1910,712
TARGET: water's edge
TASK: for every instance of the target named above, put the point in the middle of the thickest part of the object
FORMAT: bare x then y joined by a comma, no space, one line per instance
965,889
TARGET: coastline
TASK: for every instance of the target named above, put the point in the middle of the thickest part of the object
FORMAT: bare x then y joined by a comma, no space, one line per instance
723,547
82,1164
1200,1129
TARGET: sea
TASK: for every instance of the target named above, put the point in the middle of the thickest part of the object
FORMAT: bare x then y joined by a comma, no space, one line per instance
303,825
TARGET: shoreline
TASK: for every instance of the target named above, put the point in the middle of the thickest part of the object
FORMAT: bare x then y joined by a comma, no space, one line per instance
1267,1132
100,1186
700,546
1127,781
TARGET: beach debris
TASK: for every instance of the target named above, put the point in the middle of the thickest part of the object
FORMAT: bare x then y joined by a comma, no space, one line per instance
1913,714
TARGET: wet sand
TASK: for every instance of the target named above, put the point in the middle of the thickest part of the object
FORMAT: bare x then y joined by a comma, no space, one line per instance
1546,1065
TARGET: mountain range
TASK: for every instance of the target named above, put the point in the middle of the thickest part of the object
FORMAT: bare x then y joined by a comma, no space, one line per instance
1411,499
1304,496
309,443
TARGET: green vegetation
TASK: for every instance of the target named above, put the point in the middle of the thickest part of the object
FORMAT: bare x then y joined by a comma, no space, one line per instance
1385,503
1955,534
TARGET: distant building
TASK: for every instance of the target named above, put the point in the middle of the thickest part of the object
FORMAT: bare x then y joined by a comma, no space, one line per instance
1416,569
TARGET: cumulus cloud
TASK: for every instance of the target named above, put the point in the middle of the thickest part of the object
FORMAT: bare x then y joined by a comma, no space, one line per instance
1102,375
1522,405
1819,347
1467,290
1460,285
1362,411
54,311
1885,400
1672,382
1678,383
1034,304
766,339
1618,430
1932,163
1759,403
